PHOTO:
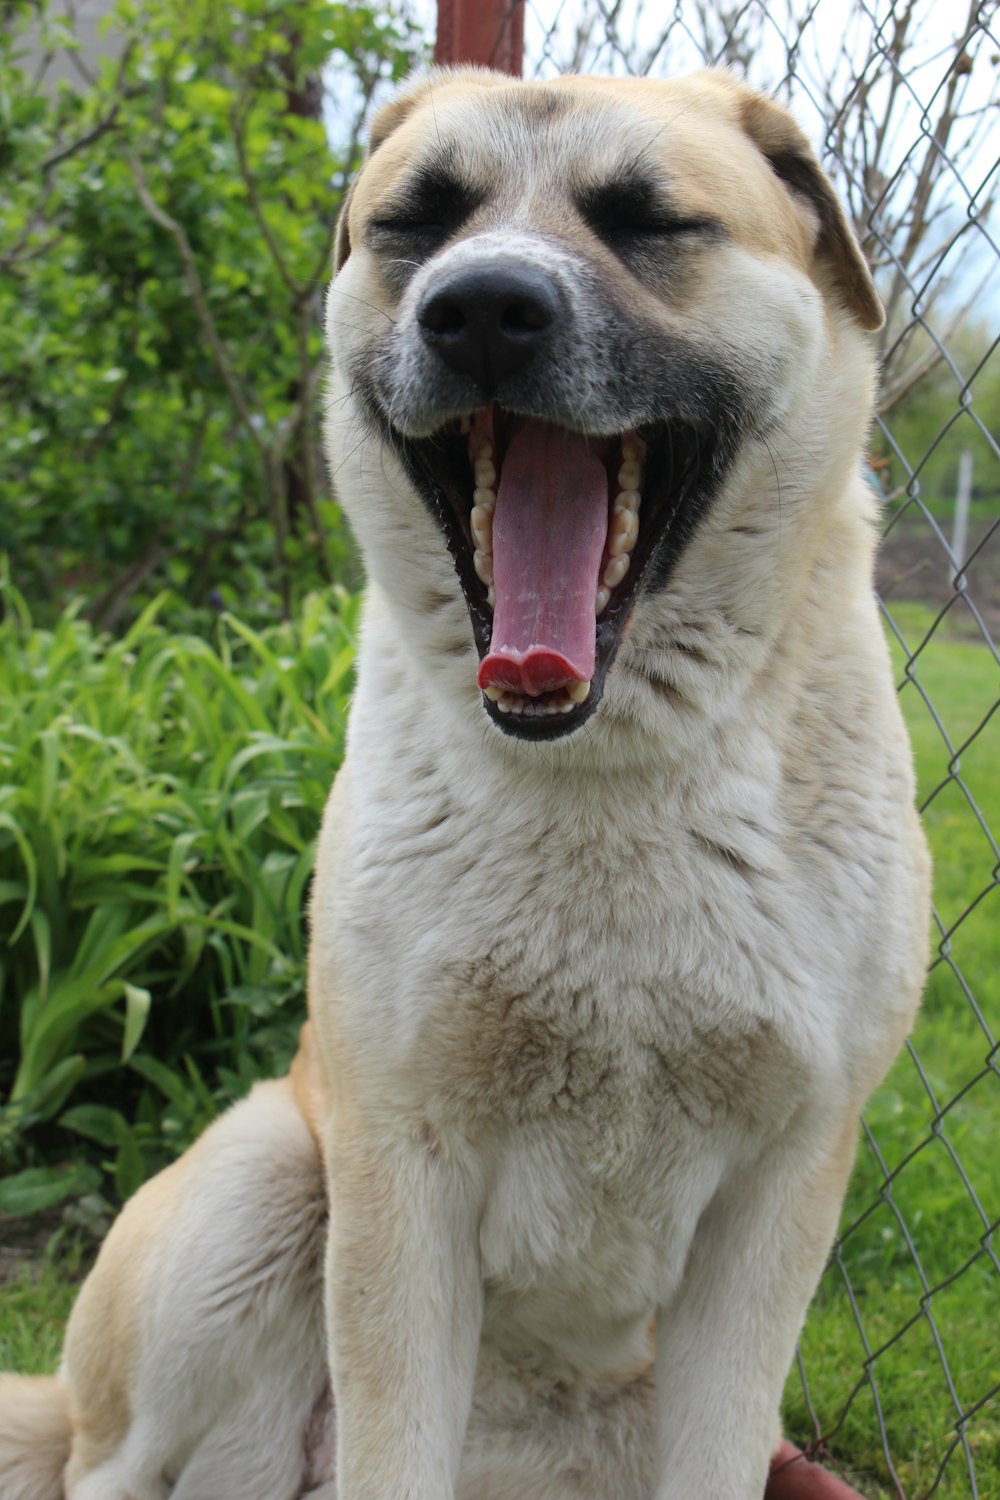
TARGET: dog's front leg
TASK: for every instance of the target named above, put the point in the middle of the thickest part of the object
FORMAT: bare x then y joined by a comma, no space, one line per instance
725,1342
405,1309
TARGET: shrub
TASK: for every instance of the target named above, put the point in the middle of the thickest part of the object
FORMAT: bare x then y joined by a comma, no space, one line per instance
159,800
165,236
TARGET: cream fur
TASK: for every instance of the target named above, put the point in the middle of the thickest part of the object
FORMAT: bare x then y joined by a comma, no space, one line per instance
594,1018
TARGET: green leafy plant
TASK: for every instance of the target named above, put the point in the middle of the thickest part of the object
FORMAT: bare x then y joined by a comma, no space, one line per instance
159,801
165,236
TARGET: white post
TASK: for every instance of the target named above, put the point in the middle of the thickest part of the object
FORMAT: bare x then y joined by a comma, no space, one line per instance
960,530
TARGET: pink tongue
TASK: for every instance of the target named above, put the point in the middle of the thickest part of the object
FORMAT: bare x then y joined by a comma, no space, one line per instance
549,530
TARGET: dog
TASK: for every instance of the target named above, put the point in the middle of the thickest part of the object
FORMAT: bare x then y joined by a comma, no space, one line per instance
621,901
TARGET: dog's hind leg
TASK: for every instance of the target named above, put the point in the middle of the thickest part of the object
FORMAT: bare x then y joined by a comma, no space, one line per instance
258,1455
203,1316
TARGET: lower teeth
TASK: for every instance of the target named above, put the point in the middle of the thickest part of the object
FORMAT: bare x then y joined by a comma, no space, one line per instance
536,708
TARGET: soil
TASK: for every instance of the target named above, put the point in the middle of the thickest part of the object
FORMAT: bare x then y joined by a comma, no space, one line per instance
914,564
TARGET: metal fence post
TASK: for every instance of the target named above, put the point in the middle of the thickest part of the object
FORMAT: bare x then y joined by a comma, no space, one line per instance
489,32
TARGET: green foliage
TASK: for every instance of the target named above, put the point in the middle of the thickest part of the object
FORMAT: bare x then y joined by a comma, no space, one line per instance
35,1304
160,797
165,239
945,413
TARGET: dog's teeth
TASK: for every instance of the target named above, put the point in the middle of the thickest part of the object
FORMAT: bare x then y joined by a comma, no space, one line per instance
483,564
485,473
547,707
482,529
484,451
629,475
615,571
624,531
601,601
629,500
630,450
491,597
485,497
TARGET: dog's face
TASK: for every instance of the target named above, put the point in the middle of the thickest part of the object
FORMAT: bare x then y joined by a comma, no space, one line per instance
577,328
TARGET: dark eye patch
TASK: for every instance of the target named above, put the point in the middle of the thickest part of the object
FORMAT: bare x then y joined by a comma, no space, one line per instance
424,212
632,210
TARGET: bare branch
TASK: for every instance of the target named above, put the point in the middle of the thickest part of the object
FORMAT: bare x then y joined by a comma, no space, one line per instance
238,122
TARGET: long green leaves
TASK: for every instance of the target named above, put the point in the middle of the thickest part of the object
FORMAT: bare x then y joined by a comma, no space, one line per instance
159,800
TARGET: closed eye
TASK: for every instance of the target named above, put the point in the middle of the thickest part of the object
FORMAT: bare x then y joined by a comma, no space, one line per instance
635,209
430,206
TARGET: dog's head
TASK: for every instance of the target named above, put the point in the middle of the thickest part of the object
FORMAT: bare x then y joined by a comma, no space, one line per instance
577,327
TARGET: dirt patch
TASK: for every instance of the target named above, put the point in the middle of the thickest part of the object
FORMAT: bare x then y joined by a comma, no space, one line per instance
26,1241
914,564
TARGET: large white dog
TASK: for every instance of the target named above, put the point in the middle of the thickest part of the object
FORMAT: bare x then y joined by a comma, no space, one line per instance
621,902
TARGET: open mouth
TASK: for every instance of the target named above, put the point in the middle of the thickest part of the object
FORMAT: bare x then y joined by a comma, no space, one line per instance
552,533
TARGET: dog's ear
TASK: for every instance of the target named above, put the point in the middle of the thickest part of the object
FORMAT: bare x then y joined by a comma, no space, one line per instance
342,238
791,158
387,119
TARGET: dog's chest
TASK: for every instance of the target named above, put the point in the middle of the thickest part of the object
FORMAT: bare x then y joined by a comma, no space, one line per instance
616,1055
604,1112
600,1015
623,985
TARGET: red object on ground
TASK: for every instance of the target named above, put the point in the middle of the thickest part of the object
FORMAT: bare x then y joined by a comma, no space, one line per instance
490,32
796,1477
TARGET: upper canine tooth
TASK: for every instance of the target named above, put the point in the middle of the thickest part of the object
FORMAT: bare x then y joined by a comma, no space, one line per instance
629,475
578,690
483,564
485,473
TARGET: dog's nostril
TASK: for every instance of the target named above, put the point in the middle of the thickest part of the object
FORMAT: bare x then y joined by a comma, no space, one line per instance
442,316
525,316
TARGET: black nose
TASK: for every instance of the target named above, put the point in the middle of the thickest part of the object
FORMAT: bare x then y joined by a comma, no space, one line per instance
489,321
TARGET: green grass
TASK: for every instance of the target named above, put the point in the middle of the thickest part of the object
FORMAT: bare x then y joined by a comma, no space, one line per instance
962,680
35,1303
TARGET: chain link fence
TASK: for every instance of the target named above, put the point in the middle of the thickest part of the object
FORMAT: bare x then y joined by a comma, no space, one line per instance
897,1379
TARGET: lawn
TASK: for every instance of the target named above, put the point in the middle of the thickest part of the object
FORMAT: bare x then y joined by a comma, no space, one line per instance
915,1254
902,1338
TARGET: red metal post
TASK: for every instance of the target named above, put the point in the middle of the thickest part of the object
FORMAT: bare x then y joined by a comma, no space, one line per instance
490,32
795,1477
